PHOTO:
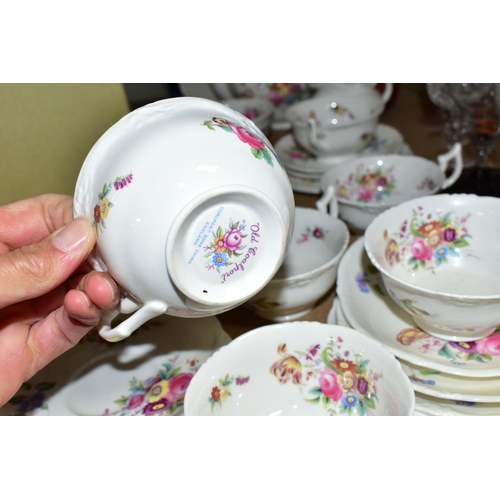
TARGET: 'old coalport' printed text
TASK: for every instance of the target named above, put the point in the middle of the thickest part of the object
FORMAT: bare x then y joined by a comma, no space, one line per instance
226,247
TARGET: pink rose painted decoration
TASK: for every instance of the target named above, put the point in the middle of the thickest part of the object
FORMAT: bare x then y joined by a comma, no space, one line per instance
366,185
226,244
427,240
161,394
257,146
314,232
337,378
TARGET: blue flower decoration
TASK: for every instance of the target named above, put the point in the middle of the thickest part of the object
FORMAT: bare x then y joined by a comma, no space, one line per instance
220,258
441,252
350,400
361,281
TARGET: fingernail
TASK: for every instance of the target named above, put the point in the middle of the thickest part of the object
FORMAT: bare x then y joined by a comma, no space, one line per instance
72,236
112,287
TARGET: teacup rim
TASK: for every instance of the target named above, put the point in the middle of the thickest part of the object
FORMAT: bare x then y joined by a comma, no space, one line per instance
432,293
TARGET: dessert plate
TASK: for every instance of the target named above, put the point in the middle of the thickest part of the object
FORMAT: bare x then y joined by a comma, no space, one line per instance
146,374
433,382
369,309
428,405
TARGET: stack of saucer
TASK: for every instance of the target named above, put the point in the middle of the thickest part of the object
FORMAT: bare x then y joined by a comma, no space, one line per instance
449,378
339,123
305,169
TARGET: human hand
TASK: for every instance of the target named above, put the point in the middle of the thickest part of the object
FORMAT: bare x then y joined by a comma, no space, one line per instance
49,296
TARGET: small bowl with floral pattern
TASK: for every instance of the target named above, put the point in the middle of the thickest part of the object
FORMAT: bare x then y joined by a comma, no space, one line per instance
301,368
257,109
360,189
309,270
438,259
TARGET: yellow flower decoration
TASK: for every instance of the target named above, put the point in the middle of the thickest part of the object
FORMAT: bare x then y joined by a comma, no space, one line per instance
104,208
157,391
224,393
409,335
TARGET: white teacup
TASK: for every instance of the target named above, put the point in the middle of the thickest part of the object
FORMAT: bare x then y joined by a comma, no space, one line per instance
358,190
335,124
193,211
309,270
281,95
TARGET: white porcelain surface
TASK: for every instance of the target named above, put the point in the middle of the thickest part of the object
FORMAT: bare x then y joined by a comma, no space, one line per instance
386,140
362,91
428,405
327,126
365,187
146,374
192,208
369,309
305,170
445,386
300,368
438,257
257,109
433,382
309,270
281,95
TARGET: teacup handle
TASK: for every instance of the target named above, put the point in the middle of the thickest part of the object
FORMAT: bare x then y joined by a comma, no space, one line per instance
443,160
386,95
141,315
328,200
313,132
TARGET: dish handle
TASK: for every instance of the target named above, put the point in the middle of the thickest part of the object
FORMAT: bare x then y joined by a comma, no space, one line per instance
141,314
328,201
455,153
387,93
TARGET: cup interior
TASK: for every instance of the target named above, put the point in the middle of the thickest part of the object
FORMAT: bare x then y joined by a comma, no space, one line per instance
318,242
441,244
300,368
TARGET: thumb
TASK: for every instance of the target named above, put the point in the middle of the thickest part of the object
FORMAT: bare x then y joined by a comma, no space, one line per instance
33,270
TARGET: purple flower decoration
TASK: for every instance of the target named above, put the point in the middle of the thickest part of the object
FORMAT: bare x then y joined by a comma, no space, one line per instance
450,234
157,407
464,346
242,380
362,385
318,233
313,352
121,182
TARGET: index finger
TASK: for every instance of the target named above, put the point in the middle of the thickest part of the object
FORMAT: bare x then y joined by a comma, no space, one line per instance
31,220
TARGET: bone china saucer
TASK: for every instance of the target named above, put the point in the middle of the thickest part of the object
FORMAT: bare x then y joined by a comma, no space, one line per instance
433,382
144,375
387,140
369,309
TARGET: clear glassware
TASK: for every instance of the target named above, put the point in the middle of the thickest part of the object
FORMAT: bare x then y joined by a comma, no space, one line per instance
479,104
454,129
481,117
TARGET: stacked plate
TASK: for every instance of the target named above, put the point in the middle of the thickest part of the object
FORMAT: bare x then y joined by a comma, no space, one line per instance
305,170
144,375
449,378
